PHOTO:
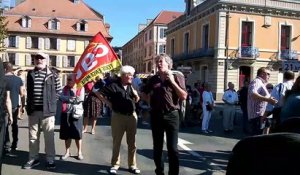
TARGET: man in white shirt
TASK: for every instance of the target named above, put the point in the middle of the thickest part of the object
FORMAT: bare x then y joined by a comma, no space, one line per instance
278,93
230,98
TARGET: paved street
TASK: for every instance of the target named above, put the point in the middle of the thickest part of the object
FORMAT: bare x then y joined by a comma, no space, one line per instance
199,153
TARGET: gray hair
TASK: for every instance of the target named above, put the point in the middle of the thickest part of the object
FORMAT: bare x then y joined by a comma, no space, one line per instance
166,57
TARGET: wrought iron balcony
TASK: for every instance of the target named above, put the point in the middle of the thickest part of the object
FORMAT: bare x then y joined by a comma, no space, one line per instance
249,52
288,55
197,53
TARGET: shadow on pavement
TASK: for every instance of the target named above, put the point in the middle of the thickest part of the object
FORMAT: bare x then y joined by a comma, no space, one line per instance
19,158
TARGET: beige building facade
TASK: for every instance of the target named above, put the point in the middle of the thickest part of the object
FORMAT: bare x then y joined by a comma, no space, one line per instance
228,40
46,26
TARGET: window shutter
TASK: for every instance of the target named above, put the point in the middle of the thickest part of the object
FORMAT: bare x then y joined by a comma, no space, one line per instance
49,25
28,42
65,61
58,24
29,22
86,27
58,60
57,44
86,43
47,43
27,60
6,42
77,26
76,59
40,44
17,41
17,60
23,22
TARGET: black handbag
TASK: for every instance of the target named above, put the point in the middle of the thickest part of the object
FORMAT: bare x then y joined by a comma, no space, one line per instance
209,108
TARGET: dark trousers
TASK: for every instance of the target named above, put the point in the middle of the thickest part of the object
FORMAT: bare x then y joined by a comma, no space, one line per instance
255,126
168,123
245,121
14,129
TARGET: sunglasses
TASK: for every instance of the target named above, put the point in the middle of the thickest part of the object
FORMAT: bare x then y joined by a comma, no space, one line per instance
70,79
269,87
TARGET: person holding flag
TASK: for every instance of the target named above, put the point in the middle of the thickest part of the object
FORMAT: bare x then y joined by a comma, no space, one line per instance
121,97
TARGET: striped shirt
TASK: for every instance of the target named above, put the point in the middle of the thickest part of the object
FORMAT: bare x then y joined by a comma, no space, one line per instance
39,79
255,107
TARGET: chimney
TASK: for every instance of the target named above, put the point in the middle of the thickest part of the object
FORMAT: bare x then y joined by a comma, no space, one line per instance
141,27
107,26
76,1
149,21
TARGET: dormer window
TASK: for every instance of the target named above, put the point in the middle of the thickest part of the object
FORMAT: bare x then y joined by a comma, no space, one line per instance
82,26
26,22
54,24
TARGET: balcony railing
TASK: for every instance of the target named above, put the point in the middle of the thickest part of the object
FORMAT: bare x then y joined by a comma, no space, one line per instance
288,55
249,52
197,53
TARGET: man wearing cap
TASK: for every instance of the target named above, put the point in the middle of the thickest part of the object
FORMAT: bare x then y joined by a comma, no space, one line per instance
43,87
121,97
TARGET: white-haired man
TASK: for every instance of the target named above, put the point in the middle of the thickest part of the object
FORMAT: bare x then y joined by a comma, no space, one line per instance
121,97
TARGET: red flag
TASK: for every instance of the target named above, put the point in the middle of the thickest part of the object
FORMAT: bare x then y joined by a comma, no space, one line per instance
97,58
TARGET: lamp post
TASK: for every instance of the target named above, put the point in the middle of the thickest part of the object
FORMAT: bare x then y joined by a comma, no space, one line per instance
226,50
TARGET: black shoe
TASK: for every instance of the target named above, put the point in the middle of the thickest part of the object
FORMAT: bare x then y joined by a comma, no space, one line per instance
31,163
50,165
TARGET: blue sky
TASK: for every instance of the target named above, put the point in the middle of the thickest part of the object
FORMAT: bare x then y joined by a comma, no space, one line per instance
125,15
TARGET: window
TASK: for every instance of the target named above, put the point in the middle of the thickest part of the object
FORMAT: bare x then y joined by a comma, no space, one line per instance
71,61
71,45
146,37
205,30
82,26
150,35
246,34
172,47
12,58
12,41
26,22
285,38
35,42
150,51
52,60
186,43
162,33
53,24
162,48
53,43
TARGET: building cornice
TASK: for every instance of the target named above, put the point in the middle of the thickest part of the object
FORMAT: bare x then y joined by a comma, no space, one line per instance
272,8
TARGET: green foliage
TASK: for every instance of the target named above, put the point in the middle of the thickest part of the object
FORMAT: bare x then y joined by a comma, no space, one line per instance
3,30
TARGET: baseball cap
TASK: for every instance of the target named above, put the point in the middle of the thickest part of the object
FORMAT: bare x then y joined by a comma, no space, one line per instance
42,54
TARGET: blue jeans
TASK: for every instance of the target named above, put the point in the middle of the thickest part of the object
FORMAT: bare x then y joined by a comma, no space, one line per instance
169,123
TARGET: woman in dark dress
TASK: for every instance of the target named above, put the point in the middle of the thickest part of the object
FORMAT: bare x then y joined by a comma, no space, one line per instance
70,127
93,106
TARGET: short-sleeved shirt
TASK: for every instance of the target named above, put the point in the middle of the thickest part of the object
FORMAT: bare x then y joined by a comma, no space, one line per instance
122,99
256,108
13,84
163,97
230,96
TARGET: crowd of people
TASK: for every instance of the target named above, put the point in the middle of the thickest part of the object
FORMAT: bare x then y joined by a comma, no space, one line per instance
162,100
157,99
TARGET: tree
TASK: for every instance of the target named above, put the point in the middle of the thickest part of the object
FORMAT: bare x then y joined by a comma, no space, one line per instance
3,31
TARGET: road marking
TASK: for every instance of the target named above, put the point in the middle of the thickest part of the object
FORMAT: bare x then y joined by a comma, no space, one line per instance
182,144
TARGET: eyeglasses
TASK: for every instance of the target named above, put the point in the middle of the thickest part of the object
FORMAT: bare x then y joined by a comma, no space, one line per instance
39,58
